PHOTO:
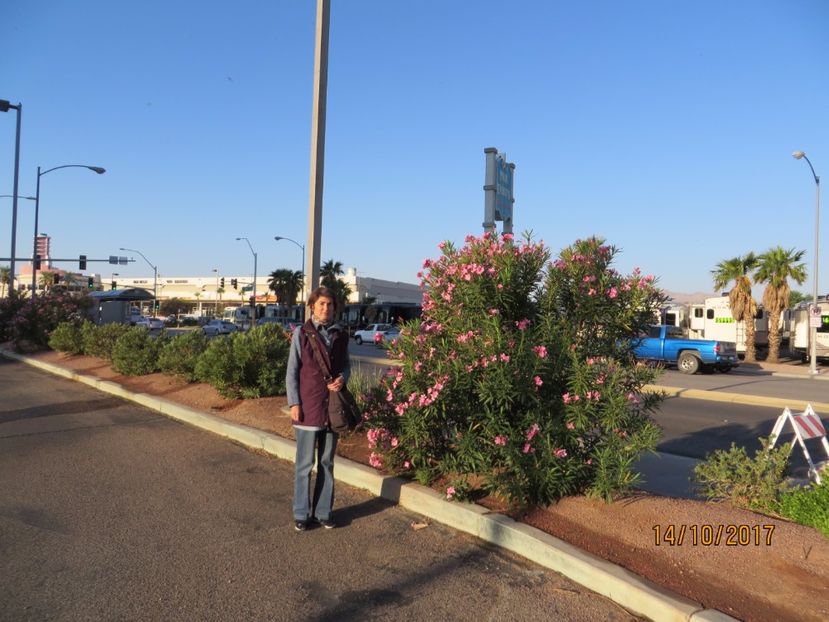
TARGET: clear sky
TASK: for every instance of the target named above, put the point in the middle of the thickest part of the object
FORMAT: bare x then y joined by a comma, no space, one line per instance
664,126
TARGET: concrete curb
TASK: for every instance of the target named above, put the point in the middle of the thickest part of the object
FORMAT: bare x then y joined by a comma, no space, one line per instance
734,398
614,582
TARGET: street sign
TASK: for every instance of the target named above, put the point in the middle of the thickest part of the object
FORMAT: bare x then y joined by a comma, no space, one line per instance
814,316
503,188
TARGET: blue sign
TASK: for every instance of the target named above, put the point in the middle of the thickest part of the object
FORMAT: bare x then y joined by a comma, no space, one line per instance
503,188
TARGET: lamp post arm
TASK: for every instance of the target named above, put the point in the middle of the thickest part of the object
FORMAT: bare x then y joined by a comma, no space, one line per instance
96,169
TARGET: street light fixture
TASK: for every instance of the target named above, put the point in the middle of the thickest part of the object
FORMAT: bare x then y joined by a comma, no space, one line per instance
216,312
797,155
253,298
302,265
155,274
94,169
5,106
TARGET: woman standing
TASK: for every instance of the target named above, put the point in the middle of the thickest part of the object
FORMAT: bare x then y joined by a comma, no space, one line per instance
308,388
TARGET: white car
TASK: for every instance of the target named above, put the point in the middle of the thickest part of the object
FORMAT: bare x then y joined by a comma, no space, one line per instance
371,333
219,327
390,335
150,322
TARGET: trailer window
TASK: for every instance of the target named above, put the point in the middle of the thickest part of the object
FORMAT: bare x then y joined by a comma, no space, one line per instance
697,312
709,314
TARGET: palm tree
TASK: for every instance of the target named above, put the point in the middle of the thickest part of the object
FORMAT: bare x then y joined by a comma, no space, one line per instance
743,306
5,279
286,285
330,272
47,279
776,267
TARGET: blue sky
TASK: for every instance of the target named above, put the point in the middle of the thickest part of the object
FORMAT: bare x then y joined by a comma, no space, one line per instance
665,127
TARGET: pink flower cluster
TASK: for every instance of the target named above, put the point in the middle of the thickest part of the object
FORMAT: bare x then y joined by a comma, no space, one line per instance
375,460
501,440
560,453
568,399
523,324
541,351
450,492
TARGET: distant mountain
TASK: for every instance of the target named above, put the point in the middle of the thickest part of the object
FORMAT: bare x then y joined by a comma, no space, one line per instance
689,298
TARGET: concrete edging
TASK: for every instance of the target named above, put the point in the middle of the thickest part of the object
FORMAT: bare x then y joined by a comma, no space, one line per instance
734,398
629,590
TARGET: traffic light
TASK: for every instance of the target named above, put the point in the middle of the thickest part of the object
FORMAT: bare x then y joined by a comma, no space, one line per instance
82,262
37,262
55,278
222,281
90,282
157,305
114,285
234,282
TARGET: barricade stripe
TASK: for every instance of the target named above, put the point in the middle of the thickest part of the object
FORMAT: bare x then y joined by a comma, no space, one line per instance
810,425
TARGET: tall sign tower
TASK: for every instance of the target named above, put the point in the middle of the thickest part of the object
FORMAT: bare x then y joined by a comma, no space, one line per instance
498,191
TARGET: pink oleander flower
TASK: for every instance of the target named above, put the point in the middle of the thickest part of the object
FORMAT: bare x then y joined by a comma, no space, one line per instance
571,425
560,453
600,379
442,245
500,286
407,464
504,358
375,460
522,324
378,337
528,449
534,429
450,492
394,441
541,351
591,292
566,398
501,440
612,292
493,312
538,381
589,461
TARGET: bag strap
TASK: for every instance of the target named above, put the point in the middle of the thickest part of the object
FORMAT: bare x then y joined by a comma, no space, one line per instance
312,336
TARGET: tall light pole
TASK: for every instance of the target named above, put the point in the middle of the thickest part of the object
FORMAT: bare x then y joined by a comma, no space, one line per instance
797,155
95,169
253,298
318,114
5,106
155,274
216,312
302,265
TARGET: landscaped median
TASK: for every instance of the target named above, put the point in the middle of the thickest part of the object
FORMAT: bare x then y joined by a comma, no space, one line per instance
622,586
735,398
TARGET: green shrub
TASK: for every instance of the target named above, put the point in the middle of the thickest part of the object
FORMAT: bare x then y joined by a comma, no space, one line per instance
361,385
808,505
136,352
180,354
100,340
68,337
752,483
249,365
519,377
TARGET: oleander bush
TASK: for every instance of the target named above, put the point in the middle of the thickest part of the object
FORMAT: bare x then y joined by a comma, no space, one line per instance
808,505
519,379
756,483
136,352
28,323
181,353
100,340
68,337
250,364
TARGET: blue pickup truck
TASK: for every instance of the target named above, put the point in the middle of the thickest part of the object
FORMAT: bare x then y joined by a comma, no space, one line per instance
666,344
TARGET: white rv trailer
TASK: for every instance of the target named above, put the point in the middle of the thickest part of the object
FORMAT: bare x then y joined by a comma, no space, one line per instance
800,330
674,314
712,319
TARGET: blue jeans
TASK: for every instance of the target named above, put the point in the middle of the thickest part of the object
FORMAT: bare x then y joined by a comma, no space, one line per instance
325,444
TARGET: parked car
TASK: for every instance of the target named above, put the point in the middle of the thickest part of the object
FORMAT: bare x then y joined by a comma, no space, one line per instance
150,322
371,333
389,336
219,327
666,344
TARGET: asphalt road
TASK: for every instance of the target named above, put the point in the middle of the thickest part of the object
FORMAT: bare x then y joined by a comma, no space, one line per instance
109,511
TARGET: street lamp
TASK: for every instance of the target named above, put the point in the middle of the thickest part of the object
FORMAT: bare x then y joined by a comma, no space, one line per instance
253,298
94,169
216,312
797,155
5,106
155,274
302,265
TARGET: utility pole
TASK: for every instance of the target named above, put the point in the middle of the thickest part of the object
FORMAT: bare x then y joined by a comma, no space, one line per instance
312,269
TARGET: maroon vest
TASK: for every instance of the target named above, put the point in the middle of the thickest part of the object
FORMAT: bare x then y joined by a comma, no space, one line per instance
313,389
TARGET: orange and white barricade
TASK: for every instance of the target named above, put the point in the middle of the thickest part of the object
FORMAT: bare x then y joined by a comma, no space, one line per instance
806,425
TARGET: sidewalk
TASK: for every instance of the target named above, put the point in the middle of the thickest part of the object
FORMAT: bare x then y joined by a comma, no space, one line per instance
629,590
